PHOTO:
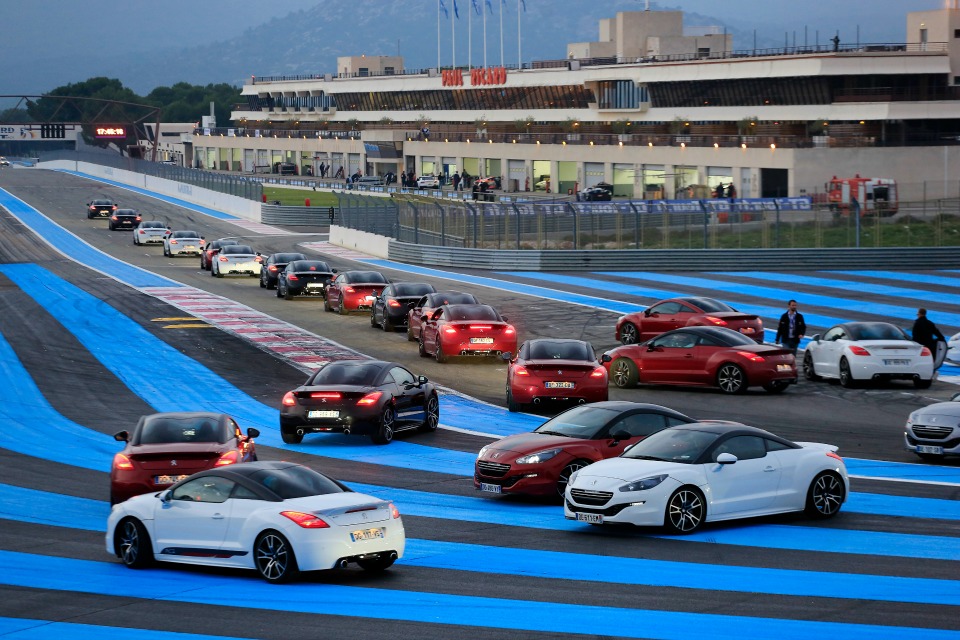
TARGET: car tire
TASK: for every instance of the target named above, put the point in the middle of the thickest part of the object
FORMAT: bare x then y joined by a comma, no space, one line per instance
776,386
629,333
274,558
624,373
431,414
685,512
564,478
439,355
132,543
825,495
809,372
218,274
385,430
920,383
263,284
280,292
326,305
342,309
846,376
375,565
422,348
731,379
290,437
386,324
410,336
373,320
512,406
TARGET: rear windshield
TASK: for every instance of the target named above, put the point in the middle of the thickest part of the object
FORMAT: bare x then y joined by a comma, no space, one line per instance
192,429
557,350
455,298
350,373
472,312
709,304
876,331
412,289
185,234
286,257
126,212
366,276
295,482
236,249
153,225
309,265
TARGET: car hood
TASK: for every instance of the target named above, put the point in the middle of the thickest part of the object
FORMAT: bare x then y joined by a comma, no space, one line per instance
525,443
942,410
625,470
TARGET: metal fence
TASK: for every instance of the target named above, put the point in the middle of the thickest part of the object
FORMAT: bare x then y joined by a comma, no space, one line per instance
234,185
643,224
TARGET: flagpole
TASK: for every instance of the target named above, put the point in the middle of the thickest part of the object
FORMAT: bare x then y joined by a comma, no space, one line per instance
438,35
502,2
453,34
519,56
470,36
484,37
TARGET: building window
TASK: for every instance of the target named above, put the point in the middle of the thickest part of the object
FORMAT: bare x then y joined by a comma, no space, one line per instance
363,72
388,71
956,33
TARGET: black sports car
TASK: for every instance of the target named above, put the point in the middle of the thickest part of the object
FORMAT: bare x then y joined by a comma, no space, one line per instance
391,307
100,208
273,265
124,219
304,278
365,397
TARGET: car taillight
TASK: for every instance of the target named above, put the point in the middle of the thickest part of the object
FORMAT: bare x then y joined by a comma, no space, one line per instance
394,511
720,322
289,400
138,218
113,217
925,352
121,461
349,290
291,277
599,372
480,326
173,241
449,329
521,371
370,398
114,207
305,520
141,232
859,351
230,457
223,259
831,454
272,268
753,357
326,395
393,303
509,330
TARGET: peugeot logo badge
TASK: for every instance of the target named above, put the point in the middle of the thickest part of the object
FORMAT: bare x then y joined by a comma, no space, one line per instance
173,463
559,373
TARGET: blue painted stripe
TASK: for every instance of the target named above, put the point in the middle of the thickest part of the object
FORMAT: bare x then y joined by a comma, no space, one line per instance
920,278
30,629
40,507
112,579
75,248
918,472
157,196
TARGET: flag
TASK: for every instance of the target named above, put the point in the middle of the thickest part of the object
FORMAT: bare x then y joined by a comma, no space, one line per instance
490,6
476,7
524,3
456,11
443,7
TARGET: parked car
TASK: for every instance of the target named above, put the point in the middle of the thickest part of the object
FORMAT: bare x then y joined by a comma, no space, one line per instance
428,182
178,243
100,208
273,265
236,259
150,232
392,307
933,432
304,278
284,519
165,448
466,330
429,303
953,349
362,397
682,477
554,370
685,312
857,352
595,194
354,291
491,182
540,463
124,219
211,249
703,356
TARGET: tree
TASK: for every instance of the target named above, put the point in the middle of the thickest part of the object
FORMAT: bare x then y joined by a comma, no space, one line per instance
15,115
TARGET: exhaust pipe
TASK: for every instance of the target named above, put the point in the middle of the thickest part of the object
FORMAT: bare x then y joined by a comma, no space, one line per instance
393,555
346,430
300,432
536,401
582,401
342,563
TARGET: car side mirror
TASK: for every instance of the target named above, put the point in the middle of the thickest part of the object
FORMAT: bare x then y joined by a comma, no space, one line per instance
815,338
422,380
606,358
334,271
653,347
122,436
253,432
165,496
621,434
504,318
726,458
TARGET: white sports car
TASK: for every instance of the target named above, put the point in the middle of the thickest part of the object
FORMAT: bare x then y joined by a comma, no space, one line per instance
702,472
934,431
953,349
236,259
856,352
150,231
279,518
182,242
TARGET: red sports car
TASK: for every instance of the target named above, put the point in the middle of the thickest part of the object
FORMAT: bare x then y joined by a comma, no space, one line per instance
354,291
466,330
167,447
686,312
554,370
428,304
703,356
540,463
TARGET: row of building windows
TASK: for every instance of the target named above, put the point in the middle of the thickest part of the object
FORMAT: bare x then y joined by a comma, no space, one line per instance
622,94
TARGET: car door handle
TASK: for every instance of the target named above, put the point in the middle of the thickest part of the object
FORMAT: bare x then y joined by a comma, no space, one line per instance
217,516
768,469
688,355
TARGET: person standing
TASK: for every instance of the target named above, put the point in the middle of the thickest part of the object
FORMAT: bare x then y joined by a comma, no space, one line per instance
925,332
791,328
456,181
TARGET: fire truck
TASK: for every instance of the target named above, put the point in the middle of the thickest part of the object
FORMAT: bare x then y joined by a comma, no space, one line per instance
872,196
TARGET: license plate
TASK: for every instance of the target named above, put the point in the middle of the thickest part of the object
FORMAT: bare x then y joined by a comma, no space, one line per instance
895,362
559,385
314,285
168,479
481,340
491,488
924,448
366,534
592,518
326,413
783,367
371,298
190,246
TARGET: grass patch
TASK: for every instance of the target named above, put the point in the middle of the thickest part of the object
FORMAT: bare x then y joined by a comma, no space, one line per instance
297,197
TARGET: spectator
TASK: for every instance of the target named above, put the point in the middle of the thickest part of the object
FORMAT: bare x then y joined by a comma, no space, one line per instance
791,328
926,333
456,181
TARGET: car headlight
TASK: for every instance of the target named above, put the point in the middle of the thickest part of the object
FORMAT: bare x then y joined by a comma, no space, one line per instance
483,451
539,456
644,484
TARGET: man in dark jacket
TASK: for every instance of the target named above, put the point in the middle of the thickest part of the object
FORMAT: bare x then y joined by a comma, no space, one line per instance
791,328
926,333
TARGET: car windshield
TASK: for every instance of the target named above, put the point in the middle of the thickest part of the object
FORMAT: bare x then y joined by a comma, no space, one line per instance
365,276
472,312
710,305
579,422
185,234
411,289
349,373
237,249
295,482
672,445
165,429
560,350
308,265
876,331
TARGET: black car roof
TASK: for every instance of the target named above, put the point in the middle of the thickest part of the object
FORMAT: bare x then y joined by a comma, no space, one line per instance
724,428
626,405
